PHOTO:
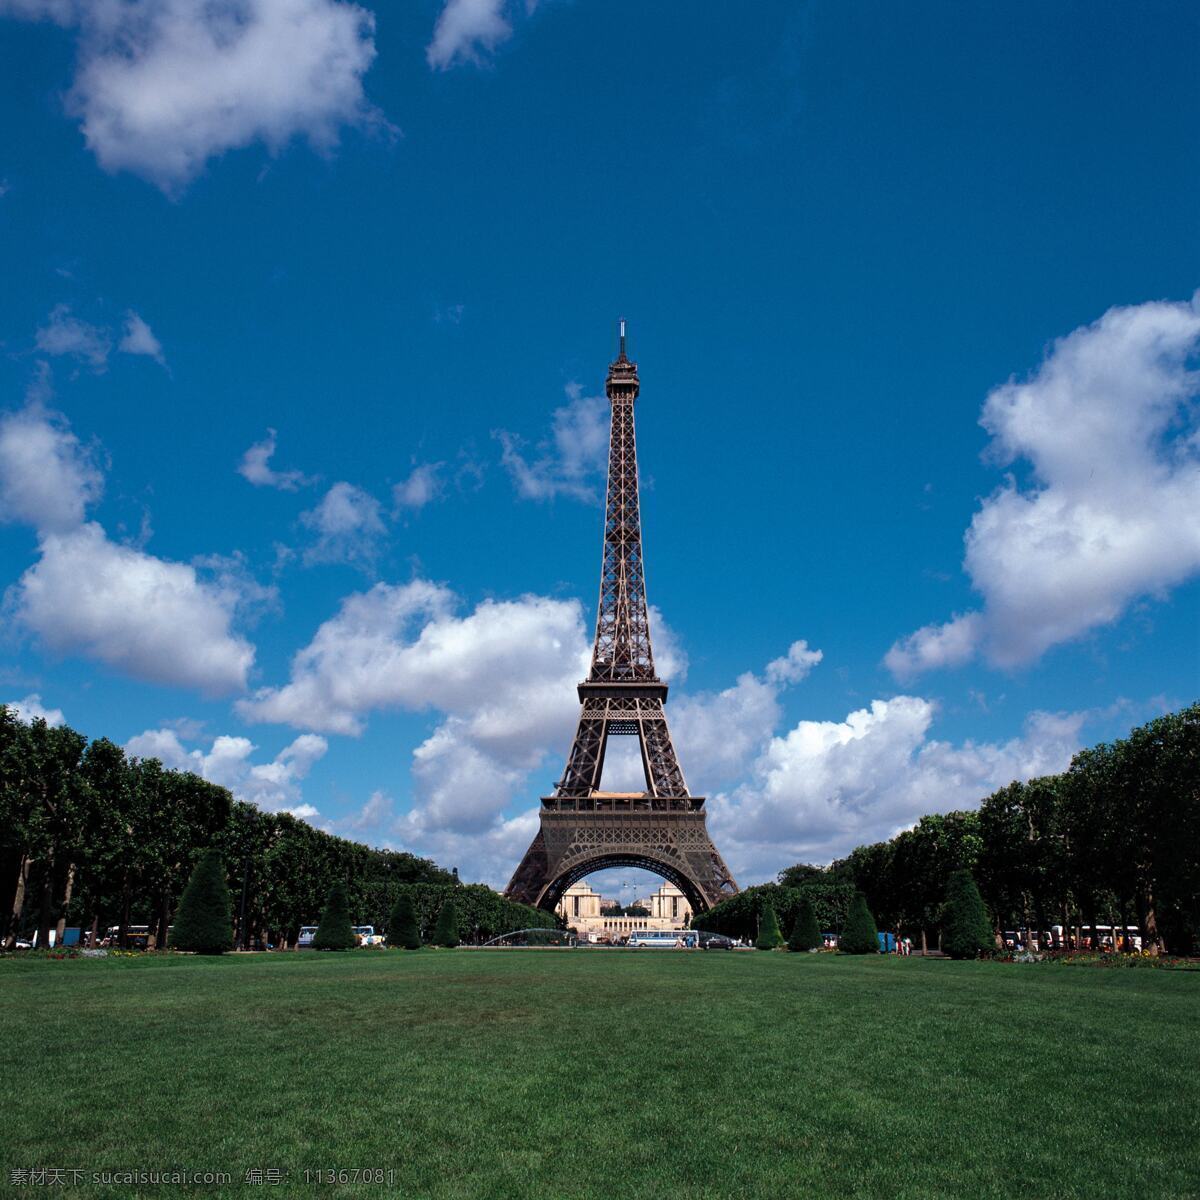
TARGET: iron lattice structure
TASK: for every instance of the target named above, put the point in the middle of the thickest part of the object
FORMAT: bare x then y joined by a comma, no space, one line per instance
583,828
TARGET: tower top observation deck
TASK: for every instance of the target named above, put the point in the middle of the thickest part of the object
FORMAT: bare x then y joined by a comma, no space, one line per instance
622,383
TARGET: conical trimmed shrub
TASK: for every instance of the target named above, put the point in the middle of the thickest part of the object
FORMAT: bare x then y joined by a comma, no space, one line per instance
334,932
860,935
204,922
446,932
769,937
966,929
403,930
806,933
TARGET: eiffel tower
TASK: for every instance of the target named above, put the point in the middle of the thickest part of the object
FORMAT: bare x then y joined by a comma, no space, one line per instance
584,829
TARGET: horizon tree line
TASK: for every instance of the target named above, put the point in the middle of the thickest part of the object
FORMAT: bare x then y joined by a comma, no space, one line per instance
94,838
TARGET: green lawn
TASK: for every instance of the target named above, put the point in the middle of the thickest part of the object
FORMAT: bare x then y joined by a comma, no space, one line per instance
608,1074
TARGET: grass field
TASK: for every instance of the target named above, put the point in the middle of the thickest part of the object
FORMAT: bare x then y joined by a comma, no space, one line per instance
608,1074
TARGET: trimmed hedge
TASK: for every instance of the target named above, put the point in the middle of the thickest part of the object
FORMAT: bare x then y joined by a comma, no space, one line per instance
806,933
860,935
769,936
334,932
446,933
966,930
403,930
204,922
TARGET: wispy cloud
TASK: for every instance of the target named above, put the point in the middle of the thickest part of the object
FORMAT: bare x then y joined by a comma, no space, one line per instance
571,461
256,468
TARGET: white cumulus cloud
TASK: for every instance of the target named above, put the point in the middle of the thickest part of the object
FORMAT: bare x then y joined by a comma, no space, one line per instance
403,646
1109,427
147,617
273,785
31,709
47,478
825,787
501,679
794,665
161,86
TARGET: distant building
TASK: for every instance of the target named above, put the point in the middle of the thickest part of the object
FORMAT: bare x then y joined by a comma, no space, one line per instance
581,903
581,907
667,904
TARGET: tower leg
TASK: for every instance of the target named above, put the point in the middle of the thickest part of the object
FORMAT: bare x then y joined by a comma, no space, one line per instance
530,878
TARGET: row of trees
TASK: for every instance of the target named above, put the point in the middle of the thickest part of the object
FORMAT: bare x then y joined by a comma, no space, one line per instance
90,837
741,916
1114,840
480,914
858,935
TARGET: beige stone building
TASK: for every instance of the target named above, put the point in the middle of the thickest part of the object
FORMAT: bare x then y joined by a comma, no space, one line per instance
667,904
581,907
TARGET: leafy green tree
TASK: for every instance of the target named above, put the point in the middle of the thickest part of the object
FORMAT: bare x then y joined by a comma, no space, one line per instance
334,931
402,926
806,934
204,922
873,870
446,933
921,864
16,821
966,929
769,937
800,874
860,935
55,830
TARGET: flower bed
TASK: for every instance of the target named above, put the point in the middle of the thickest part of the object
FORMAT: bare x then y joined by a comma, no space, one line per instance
1097,958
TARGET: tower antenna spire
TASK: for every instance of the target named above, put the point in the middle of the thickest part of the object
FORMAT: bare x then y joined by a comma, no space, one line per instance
622,349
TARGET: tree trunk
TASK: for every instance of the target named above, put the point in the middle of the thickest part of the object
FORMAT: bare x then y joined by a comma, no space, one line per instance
924,944
45,905
1152,942
10,875
18,903
94,930
123,929
164,915
60,929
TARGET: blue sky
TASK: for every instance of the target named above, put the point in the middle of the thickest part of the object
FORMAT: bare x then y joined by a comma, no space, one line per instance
399,237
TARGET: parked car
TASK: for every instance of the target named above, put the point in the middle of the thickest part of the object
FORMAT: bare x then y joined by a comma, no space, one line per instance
715,941
365,935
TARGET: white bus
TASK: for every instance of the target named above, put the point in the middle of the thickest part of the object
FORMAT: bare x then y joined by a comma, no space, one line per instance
664,939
